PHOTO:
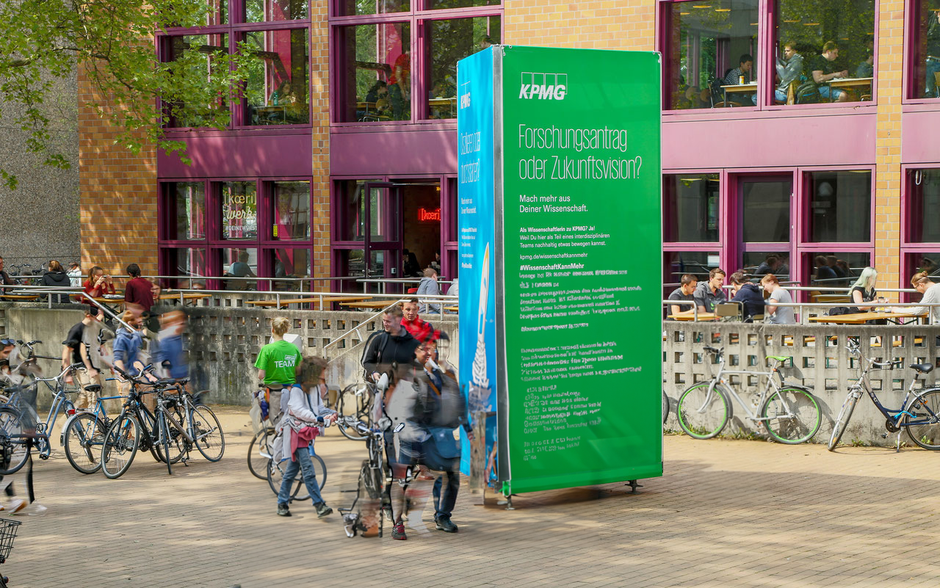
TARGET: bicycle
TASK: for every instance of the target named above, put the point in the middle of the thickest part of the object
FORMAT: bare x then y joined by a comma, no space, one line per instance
259,451
918,413
138,428
84,433
374,476
355,402
790,413
275,472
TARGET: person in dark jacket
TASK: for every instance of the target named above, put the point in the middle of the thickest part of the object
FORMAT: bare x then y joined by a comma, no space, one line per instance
394,344
748,294
56,277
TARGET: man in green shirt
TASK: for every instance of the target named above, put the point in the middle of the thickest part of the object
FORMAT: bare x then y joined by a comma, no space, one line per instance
278,365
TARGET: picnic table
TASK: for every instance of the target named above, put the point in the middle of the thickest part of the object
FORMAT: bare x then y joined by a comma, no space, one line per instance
21,297
315,300
689,315
184,296
375,304
860,318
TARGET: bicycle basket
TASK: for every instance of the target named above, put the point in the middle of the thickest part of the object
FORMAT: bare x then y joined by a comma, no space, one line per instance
8,528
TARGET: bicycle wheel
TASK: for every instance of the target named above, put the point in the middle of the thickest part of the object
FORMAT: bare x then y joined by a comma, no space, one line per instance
703,413
275,474
842,421
354,401
14,449
259,452
207,433
120,446
162,445
793,415
665,407
924,426
83,437
174,445
320,469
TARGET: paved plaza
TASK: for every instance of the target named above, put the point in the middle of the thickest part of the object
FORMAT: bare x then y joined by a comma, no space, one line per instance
726,513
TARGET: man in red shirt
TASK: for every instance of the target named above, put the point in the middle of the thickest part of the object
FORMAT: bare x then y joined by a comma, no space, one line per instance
137,292
413,323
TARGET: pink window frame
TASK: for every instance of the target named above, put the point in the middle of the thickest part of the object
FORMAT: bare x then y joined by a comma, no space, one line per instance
910,102
766,41
907,246
416,17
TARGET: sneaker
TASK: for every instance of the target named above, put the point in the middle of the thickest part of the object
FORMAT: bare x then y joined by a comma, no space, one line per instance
323,510
15,506
445,524
398,532
283,511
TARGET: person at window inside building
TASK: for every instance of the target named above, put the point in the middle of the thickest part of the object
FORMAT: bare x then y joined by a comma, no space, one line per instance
777,294
98,284
399,88
933,55
768,266
748,294
709,293
824,273
240,269
789,70
734,76
823,69
866,69
931,295
686,291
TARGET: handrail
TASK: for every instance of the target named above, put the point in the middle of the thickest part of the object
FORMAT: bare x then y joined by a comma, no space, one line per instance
356,328
800,306
65,290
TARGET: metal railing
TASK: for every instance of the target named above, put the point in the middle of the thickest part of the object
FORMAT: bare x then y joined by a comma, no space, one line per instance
803,315
60,290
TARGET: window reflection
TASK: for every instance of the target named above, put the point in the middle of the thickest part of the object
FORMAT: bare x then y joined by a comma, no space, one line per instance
690,207
353,7
376,72
190,208
276,89
195,56
291,210
825,51
449,42
712,45
925,48
840,205
238,265
290,263
838,269
275,10
239,210
765,210
923,204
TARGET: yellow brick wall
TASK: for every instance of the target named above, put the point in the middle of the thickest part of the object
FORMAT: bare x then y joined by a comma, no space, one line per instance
320,100
590,24
888,146
118,201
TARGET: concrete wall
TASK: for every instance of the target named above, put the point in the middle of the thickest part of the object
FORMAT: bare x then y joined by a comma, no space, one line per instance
821,355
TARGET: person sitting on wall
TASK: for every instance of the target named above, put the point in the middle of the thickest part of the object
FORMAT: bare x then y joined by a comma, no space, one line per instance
709,293
748,294
686,291
823,70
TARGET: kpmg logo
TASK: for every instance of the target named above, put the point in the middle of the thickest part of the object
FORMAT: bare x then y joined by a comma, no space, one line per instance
464,95
543,86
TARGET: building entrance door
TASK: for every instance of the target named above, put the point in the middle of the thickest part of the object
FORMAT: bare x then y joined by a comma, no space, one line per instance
382,215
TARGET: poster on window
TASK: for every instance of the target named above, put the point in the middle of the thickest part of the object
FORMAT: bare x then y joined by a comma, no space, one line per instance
575,260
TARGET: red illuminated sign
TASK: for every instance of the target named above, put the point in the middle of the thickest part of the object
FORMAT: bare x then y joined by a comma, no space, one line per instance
426,216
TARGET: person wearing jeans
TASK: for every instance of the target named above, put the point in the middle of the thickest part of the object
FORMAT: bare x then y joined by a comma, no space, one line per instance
300,426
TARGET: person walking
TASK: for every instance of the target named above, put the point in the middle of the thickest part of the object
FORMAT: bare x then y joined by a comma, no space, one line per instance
75,351
278,364
302,423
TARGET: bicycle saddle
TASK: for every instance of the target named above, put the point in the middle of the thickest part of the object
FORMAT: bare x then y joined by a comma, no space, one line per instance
922,368
93,388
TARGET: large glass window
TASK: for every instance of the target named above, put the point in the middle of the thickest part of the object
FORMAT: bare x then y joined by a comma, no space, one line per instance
925,48
840,206
923,204
825,51
375,72
709,54
276,88
449,41
196,56
436,4
291,203
290,263
765,210
355,7
239,210
275,10
690,208
834,269
239,267
186,262
190,209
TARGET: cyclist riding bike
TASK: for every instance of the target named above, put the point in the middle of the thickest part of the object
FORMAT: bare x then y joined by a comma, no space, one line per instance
278,365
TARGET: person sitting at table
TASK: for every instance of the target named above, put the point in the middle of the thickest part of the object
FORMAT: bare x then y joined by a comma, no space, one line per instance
709,293
735,75
56,278
748,294
789,70
4,277
98,284
866,69
930,295
863,290
777,294
823,70
686,291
